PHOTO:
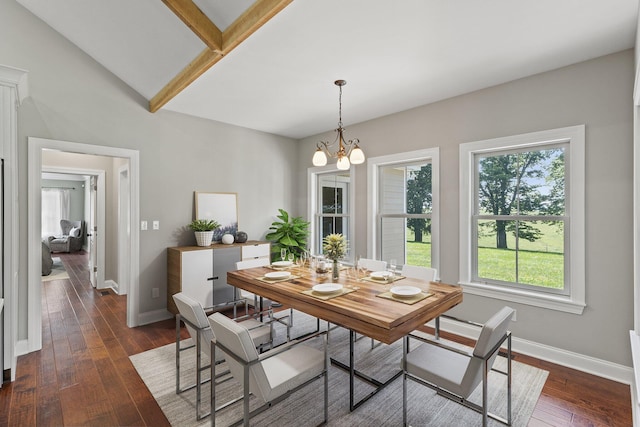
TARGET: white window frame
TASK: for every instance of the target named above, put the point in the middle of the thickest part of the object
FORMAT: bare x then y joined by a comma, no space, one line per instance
373,167
574,302
313,174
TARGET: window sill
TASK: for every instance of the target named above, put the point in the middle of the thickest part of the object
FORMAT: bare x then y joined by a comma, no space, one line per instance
552,302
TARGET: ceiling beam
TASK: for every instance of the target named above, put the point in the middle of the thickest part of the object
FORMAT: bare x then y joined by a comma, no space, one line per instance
199,23
258,14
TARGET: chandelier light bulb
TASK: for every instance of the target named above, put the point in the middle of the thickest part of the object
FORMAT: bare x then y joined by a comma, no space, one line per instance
357,156
343,163
319,158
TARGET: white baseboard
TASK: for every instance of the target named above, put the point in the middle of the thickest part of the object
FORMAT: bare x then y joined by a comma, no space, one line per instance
153,316
111,284
581,362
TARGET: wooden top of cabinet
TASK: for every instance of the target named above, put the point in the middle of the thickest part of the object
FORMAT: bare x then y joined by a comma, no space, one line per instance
216,246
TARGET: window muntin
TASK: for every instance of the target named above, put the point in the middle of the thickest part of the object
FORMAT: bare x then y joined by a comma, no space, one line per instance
519,222
405,209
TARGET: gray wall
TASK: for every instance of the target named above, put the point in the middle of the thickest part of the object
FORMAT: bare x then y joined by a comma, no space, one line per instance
75,99
597,93
72,98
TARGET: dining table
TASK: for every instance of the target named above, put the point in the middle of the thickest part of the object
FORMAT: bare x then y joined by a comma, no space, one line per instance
361,302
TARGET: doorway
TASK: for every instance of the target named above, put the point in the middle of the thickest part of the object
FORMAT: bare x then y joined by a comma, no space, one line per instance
35,149
87,204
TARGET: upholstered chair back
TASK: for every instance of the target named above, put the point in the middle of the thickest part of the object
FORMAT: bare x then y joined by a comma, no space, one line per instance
490,335
419,272
192,311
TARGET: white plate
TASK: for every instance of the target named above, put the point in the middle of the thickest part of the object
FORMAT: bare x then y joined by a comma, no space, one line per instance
282,264
277,275
327,288
380,275
405,291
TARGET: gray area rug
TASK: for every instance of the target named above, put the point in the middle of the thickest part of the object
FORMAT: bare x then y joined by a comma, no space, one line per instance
58,271
304,408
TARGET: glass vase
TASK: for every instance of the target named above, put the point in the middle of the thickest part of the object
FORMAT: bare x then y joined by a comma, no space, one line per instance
336,270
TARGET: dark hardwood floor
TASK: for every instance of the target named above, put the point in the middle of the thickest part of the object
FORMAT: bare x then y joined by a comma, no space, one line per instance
83,376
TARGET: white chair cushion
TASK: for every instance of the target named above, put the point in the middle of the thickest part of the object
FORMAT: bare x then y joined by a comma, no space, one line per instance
492,331
74,232
439,366
288,370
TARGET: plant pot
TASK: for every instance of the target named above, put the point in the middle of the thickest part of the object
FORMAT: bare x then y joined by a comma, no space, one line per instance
203,238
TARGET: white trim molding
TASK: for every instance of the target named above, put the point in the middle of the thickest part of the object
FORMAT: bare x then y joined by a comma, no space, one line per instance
574,302
13,89
34,167
373,164
581,362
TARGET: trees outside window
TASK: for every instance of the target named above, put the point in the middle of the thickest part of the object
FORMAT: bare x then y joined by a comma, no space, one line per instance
522,218
403,199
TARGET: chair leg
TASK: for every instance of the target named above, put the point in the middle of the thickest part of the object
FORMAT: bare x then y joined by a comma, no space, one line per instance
245,402
326,379
405,349
509,379
178,353
485,397
213,385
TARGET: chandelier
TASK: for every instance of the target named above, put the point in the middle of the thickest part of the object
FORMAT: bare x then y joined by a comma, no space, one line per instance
347,153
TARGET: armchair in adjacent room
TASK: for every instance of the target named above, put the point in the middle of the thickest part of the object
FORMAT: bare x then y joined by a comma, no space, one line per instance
71,238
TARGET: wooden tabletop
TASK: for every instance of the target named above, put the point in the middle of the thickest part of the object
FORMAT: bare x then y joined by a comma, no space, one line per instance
362,311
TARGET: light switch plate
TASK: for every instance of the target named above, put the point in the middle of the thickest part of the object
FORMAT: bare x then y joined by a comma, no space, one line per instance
143,225
156,225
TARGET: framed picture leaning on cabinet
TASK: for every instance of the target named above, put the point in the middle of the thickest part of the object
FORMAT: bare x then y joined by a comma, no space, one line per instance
222,207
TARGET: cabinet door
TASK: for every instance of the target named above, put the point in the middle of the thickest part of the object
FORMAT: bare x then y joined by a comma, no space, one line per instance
224,260
260,250
197,272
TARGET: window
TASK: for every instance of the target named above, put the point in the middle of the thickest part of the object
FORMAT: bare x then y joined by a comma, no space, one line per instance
55,206
404,197
522,227
330,204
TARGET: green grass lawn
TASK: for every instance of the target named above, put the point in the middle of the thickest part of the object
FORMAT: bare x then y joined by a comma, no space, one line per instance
541,263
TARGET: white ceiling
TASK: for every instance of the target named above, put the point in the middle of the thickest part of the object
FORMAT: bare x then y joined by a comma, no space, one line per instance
394,55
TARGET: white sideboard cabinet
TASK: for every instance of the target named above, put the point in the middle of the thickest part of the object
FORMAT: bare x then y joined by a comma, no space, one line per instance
201,271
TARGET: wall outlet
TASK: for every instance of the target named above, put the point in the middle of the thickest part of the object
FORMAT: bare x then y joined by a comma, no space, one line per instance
156,225
155,293
143,225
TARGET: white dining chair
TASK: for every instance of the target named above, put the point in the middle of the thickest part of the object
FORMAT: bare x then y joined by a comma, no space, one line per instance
427,274
250,299
272,376
372,264
193,315
454,372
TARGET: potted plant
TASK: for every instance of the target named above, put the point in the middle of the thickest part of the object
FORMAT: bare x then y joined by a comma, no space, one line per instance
203,229
289,233
335,248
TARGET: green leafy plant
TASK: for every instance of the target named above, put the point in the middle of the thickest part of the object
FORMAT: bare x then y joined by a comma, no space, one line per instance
204,225
335,246
289,233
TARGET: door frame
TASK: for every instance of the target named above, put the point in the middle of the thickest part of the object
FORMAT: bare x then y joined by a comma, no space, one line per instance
124,229
34,171
100,208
